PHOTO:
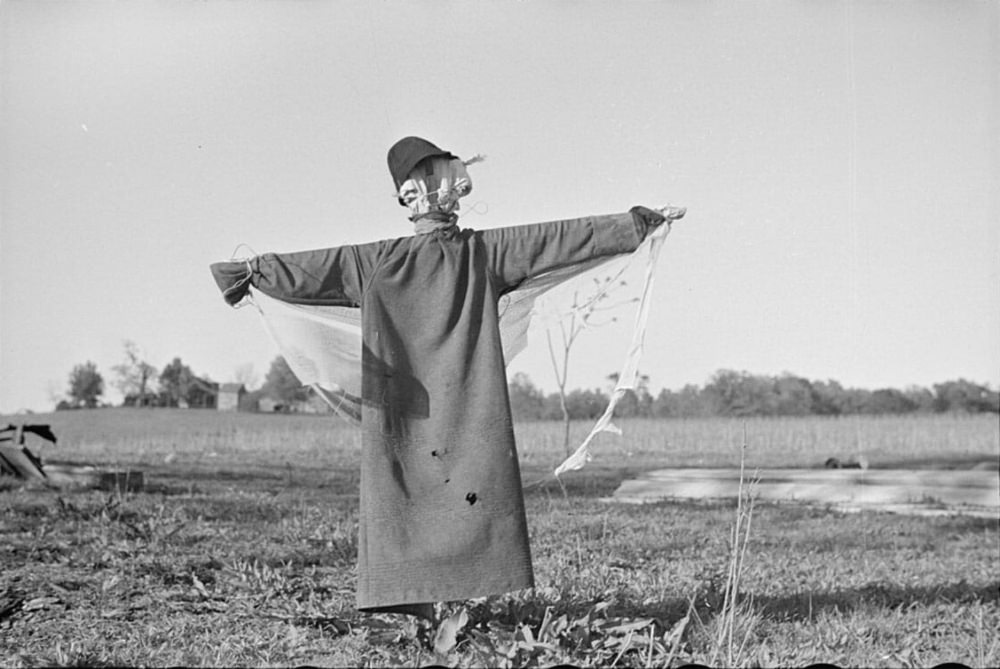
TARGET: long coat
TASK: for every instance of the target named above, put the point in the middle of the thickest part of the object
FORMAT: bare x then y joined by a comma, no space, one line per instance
441,513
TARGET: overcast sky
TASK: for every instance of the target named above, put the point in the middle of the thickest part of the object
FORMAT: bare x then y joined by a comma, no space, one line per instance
839,162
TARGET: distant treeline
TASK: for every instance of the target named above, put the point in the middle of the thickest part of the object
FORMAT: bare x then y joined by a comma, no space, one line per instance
732,393
727,393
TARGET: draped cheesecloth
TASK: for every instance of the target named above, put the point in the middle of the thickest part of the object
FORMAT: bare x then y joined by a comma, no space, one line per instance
323,344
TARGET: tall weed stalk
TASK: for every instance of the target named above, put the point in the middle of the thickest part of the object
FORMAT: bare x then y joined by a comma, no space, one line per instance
737,619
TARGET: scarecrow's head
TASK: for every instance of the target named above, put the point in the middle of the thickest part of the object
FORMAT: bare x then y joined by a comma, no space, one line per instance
427,179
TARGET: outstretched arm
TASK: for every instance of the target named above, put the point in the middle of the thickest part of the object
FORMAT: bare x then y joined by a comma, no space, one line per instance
519,252
331,277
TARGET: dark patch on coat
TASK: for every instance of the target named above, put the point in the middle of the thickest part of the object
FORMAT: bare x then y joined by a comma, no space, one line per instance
471,498
397,473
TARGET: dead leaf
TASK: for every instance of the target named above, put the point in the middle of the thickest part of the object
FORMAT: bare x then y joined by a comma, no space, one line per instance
199,586
447,632
40,603
621,627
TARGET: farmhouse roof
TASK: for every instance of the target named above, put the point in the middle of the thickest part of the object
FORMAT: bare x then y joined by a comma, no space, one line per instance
232,388
205,384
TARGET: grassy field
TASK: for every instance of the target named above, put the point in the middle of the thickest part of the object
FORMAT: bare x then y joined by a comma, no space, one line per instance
241,552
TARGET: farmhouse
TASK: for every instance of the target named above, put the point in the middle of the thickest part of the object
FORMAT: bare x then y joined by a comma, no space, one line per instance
201,394
230,395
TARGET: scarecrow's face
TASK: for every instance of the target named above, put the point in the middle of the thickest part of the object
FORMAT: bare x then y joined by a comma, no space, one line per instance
435,185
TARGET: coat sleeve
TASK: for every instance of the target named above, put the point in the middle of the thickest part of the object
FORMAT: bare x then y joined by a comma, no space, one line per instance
328,277
520,252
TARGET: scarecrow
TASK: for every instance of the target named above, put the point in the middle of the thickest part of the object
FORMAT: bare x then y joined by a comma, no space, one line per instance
441,511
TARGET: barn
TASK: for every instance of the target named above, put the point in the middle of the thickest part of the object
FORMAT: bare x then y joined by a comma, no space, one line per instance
230,395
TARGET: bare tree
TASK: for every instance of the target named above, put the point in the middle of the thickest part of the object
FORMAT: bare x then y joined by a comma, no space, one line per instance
134,374
246,375
584,313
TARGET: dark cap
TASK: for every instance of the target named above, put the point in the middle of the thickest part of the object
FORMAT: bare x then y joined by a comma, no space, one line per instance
407,153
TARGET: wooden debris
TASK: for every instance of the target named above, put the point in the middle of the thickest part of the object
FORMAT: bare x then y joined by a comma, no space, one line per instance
20,462
16,460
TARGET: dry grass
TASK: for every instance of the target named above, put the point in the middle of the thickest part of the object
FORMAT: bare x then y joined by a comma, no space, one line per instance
242,555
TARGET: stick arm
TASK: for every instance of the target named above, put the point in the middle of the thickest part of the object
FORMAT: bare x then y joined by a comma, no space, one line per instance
672,213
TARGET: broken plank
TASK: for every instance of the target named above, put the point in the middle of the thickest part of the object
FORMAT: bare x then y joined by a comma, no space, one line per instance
17,461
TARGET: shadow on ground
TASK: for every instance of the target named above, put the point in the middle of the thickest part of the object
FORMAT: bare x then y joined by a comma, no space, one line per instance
802,606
